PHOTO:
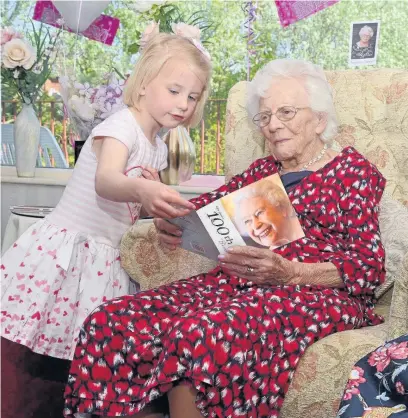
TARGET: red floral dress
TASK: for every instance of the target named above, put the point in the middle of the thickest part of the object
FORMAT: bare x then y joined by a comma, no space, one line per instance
238,343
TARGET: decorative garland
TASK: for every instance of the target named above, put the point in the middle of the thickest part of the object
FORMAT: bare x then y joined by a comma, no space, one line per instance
250,9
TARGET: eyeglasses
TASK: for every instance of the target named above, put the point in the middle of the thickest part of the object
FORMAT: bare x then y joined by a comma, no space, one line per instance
284,114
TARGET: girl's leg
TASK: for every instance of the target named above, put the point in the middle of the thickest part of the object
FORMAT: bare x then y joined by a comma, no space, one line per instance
182,402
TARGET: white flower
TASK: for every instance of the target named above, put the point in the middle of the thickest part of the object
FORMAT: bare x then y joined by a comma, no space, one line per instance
145,5
110,108
187,31
85,89
16,73
82,108
116,85
60,21
100,92
151,29
18,53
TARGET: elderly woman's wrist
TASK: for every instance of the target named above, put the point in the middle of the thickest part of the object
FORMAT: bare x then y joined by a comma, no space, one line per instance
294,271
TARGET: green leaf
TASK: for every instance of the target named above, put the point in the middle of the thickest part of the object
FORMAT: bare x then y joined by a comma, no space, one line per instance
133,48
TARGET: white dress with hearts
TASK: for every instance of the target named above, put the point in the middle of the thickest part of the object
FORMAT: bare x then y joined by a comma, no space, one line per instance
67,264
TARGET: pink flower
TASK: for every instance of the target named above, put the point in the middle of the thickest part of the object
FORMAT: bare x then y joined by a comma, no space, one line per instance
349,392
400,388
187,31
355,378
382,356
399,351
7,34
151,29
380,359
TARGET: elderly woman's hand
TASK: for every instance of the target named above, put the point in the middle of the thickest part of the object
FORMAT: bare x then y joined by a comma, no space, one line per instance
262,266
169,234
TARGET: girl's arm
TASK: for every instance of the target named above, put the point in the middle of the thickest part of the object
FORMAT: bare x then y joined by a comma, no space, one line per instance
111,183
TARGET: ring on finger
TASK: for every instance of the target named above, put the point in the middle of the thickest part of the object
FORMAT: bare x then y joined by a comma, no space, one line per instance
250,269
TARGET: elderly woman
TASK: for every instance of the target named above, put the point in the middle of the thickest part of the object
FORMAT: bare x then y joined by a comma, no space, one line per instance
267,215
363,48
227,343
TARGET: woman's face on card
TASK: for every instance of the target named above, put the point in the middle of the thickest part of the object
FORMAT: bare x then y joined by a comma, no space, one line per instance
263,221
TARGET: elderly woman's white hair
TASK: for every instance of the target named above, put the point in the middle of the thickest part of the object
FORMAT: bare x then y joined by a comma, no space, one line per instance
316,85
368,30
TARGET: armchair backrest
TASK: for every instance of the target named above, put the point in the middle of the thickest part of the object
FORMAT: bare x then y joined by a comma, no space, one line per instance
372,109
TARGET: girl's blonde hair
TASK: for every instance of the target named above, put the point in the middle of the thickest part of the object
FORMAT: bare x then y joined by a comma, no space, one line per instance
157,52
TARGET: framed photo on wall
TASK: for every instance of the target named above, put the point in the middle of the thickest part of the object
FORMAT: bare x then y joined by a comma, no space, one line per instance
364,38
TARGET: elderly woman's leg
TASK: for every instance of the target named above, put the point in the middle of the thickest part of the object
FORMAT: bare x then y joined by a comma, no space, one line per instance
182,402
148,412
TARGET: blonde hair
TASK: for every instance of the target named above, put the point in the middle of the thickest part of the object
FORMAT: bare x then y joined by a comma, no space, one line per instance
157,52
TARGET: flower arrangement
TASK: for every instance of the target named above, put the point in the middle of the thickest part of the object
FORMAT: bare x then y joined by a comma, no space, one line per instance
24,67
88,106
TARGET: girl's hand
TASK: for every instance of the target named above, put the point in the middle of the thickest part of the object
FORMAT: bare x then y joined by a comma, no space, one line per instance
169,234
150,173
261,266
161,201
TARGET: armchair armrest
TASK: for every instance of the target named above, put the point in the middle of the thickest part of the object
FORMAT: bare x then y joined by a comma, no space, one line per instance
398,317
149,265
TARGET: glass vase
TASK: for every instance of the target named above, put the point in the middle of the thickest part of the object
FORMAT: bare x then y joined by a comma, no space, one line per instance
26,141
181,158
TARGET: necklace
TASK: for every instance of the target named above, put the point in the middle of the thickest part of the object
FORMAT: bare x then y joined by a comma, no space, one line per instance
312,161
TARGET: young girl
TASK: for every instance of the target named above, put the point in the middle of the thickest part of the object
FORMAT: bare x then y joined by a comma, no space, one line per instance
64,266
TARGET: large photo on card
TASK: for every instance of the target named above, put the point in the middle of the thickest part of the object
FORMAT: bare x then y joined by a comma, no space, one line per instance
259,215
263,213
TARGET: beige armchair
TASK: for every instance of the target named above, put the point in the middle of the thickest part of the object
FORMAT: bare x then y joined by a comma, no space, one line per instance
372,107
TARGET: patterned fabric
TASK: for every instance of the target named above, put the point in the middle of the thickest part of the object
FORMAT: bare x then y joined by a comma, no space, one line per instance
294,10
46,298
66,265
378,383
102,29
236,342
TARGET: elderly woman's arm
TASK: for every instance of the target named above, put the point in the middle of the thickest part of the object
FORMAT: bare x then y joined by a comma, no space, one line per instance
267,267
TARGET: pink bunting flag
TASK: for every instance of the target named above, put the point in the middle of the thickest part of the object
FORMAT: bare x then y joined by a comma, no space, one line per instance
294,10
103,29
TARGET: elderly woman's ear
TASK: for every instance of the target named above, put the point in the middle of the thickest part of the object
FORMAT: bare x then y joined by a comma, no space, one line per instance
322,122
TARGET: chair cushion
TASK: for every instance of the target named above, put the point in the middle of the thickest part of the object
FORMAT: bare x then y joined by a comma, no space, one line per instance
394,236
149,265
